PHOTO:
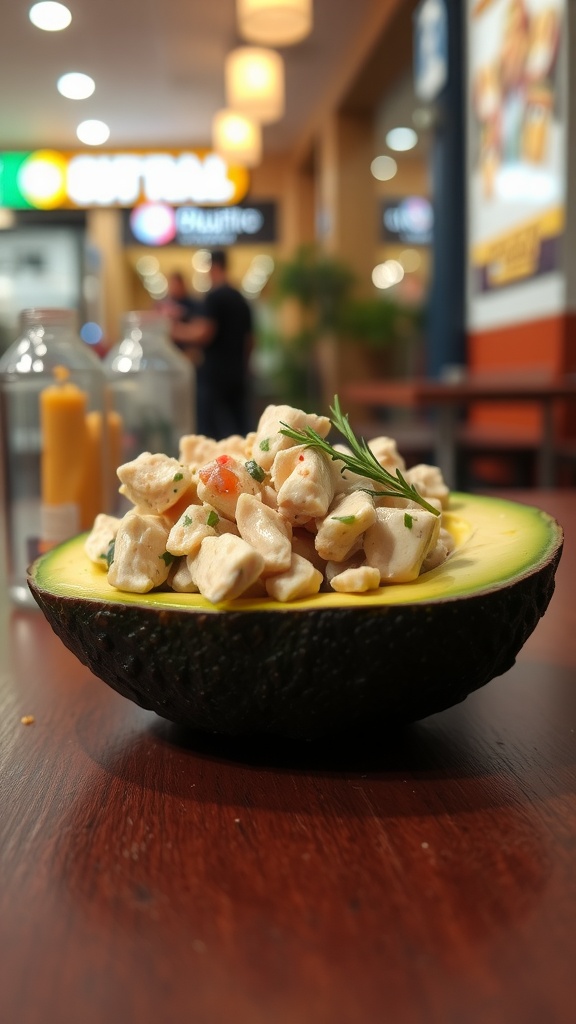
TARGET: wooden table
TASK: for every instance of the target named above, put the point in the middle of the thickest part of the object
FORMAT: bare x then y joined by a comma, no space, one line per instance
151,878
449,397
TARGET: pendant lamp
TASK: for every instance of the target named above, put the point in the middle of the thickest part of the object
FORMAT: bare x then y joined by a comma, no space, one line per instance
274,22
238,139
254,79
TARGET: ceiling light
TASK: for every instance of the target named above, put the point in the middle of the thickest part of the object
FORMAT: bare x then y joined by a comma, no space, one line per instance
49,16
93,133
384,167
274,22
75,86
237,138
401,139
255,83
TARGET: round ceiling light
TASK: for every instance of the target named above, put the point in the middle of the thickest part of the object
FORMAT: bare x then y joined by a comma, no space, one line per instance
255,83
384,167
75,86
93,133
274,22
401,139
237,138
50,16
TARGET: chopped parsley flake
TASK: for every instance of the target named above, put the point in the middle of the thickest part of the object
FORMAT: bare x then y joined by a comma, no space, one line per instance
347,520
264,445
187,521
408,520
178,476
167,558
255,470
108,556
213,518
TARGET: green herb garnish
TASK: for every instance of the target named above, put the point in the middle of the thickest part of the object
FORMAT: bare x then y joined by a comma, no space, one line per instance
167,558
255,470
108,556
408,520
178,476
264,445
187,521
362,460
348,520
213,519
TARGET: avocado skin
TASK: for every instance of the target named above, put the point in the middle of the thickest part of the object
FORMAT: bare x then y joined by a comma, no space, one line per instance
302,674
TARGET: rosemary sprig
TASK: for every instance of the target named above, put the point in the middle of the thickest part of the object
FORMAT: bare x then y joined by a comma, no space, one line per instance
362,460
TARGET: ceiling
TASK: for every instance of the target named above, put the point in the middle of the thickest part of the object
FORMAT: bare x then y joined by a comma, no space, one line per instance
158,69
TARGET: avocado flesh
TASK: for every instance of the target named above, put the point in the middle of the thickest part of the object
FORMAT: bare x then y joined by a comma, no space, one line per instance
322,665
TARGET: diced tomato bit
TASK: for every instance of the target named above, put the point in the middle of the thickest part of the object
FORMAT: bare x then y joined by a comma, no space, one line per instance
301,458
226,482
217,476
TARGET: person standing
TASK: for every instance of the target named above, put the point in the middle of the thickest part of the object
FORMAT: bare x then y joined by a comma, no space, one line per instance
179,305
223,333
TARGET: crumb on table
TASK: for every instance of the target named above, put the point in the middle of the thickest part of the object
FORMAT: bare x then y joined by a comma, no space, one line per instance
27,719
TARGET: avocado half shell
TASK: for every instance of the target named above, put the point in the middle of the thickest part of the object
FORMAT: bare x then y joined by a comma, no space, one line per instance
324,665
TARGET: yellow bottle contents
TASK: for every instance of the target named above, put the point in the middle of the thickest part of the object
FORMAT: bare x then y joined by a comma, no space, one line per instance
64,456
99,482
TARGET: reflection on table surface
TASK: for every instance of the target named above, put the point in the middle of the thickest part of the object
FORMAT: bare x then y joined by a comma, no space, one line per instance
154,875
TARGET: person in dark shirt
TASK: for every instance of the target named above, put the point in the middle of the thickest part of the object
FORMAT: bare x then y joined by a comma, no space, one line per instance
223,331
179,304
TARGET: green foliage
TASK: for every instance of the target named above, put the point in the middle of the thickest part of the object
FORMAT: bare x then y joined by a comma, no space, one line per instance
323,287
320,283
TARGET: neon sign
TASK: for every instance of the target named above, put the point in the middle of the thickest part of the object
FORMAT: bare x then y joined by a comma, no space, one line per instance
49,180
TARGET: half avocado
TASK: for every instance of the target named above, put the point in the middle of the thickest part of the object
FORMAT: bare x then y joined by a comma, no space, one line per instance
326,664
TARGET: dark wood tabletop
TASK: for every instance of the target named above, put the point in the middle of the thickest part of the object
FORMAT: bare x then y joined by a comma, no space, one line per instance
426,878
462,390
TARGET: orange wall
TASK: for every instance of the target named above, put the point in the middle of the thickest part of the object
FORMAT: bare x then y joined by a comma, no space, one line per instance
548,344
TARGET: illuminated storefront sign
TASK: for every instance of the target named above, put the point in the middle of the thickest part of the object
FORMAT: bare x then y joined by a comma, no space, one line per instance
159,224
49,180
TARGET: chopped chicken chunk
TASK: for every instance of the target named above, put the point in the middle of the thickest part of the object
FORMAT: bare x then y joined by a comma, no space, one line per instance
141,560
99,540
154,482
356,580
429,482
195,523
267,531
300,580
180,577
399,541
304,483
386,453
348,517
268,441
225,567
222,481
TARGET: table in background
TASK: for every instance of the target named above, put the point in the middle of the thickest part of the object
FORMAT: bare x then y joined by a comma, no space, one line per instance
448,398
147,876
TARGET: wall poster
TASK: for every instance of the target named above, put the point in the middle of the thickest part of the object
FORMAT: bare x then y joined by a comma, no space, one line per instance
517,142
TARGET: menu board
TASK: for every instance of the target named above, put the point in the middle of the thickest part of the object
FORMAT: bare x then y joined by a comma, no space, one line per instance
516,145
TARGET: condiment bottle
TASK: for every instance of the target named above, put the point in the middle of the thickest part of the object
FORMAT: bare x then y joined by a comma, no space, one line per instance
151,386
53,447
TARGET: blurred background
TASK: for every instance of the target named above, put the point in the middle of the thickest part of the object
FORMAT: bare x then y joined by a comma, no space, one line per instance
393,192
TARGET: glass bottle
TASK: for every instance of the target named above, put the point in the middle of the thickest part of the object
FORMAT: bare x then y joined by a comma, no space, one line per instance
53,447
151,387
